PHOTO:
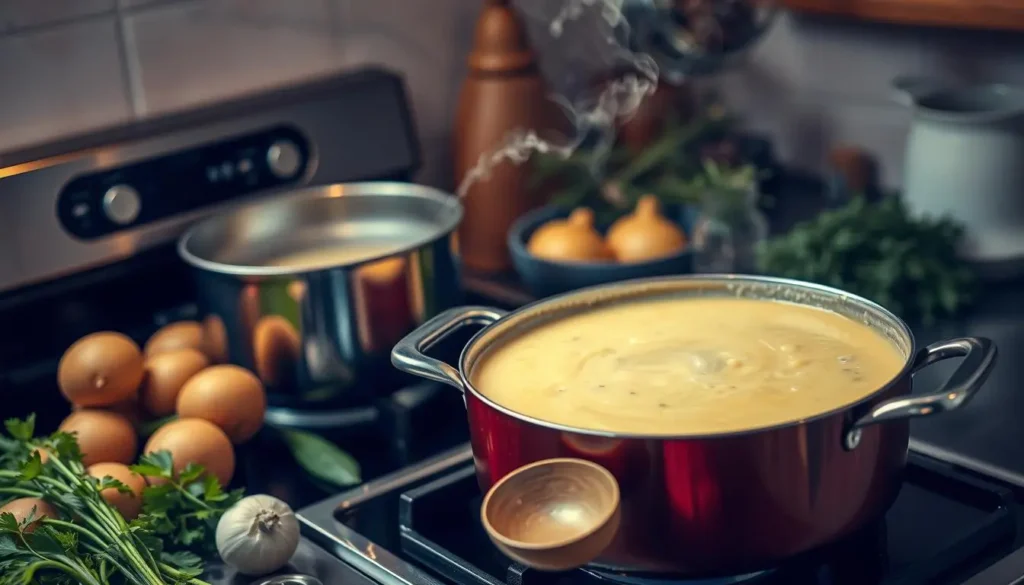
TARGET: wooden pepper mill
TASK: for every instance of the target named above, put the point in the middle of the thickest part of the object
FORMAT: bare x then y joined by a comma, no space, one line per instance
503,92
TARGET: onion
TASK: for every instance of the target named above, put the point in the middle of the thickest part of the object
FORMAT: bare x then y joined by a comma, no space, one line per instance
258,535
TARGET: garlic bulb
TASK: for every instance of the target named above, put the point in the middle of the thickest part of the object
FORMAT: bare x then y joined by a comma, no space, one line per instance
257,535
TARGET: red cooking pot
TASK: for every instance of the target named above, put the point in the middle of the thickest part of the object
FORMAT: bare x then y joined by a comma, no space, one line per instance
722,503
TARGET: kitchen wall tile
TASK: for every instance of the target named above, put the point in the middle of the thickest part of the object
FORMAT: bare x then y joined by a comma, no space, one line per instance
187,53
779,55
440,29
60,81
427,43
855,60
430,82
130,4
17,14
815,84
767,105
767,91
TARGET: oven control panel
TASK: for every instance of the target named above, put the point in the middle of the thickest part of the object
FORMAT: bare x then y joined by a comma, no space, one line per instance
102,203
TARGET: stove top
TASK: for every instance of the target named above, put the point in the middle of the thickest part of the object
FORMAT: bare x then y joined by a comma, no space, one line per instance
420,526
310,565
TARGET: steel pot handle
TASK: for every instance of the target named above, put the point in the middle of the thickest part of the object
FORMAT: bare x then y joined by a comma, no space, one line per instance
408,354
979,355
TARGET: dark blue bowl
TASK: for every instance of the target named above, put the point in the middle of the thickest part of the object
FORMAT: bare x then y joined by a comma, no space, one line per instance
545,278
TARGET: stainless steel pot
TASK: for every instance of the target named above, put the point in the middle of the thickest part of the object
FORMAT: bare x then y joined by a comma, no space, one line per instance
318,330
720,503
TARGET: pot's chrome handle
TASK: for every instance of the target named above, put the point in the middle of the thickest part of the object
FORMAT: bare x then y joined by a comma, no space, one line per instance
408,354
979,356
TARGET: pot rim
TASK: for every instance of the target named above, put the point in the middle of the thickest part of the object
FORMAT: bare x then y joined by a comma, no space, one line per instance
357,189
736,279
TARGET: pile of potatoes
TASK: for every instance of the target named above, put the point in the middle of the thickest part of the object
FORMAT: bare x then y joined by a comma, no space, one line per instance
115,387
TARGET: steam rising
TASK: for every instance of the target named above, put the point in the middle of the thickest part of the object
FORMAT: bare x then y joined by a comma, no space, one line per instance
580,43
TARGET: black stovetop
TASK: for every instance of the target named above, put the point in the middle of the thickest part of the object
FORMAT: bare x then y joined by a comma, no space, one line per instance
421,526
947,523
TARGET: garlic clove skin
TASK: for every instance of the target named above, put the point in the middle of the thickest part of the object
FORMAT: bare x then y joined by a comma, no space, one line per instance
258,535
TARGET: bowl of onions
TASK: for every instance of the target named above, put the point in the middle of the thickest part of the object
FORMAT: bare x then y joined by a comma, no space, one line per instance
556,250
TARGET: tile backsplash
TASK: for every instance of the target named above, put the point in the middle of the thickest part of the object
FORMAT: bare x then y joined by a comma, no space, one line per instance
68,66
814,84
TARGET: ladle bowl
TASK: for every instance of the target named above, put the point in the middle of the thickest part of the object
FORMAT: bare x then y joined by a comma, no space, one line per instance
553,515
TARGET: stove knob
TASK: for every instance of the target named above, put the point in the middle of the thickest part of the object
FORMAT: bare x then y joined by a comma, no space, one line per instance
284,159
121,204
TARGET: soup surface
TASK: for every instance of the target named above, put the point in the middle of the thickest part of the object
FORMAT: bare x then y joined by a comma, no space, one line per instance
688,366
331,256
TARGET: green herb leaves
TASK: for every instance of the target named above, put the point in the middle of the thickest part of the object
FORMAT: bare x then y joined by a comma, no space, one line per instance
673,167
877,251
321,459
155,465
181,510
45,554
21,430
97,547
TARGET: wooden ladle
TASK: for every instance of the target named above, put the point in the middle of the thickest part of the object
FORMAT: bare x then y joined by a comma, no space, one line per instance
553,515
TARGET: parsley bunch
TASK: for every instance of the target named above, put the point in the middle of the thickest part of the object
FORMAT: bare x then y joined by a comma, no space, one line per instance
879,251
182,510
92,543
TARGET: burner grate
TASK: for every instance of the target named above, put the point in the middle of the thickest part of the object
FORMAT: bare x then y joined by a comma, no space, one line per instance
942,521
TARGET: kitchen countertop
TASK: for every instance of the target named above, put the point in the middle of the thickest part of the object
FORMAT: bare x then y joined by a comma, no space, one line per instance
987,435
308,560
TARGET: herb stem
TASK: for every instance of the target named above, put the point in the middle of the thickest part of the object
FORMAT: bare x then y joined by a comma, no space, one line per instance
14,491
114,527
178,575
42,478
81,575
58,562
79,529
188,496
658,152
122,537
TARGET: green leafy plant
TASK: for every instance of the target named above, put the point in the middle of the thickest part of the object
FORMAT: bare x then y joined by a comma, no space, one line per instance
876,250
679,168
181,510
321,459
91,542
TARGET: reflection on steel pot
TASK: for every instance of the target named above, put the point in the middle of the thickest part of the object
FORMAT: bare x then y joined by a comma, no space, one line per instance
716,503
312,288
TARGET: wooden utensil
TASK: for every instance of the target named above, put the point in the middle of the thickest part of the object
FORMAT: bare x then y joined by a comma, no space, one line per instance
503,92
553,515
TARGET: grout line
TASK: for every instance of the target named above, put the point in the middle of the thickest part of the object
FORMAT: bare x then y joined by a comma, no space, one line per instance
131,69
119,9
16,31
147,5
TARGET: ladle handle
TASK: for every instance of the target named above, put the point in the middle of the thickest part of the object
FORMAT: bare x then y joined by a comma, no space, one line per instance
408,354
979,356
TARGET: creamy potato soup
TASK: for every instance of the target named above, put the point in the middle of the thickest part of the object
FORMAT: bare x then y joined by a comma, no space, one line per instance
688,366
